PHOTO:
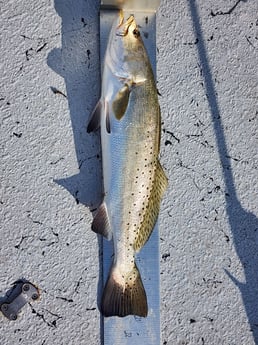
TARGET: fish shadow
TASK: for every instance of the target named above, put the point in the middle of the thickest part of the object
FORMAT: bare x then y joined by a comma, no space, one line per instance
77,61
243,224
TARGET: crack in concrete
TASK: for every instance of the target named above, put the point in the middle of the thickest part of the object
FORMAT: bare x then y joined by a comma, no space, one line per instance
58,160
33,221
57,92
221,13
41,316
171,134
41,48
69,300
17,246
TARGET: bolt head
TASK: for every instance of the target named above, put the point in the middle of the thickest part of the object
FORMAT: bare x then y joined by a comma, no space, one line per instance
4,307
25,287
13,317
35,296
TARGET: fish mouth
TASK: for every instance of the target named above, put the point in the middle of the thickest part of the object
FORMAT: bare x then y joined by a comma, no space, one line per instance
123,26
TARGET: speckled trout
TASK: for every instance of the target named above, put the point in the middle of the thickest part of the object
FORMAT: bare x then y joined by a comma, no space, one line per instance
134,182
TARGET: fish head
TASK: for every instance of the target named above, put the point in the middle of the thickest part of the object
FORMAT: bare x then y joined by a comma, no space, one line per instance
127,28
126,55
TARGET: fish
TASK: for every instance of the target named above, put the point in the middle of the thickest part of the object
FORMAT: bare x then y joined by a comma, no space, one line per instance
128,114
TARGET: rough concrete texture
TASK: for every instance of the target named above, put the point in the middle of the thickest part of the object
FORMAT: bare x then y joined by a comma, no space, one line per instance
207,78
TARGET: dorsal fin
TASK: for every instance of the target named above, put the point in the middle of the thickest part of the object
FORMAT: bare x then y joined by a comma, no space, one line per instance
158,188
101,223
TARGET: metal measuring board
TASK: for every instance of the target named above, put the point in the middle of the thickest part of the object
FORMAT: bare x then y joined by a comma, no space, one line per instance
133,329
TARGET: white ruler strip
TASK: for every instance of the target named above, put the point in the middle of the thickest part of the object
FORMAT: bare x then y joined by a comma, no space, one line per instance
132,329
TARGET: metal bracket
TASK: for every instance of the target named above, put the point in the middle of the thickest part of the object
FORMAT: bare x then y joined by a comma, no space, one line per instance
16,298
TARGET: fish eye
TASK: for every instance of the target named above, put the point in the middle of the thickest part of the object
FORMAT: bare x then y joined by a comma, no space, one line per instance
136,33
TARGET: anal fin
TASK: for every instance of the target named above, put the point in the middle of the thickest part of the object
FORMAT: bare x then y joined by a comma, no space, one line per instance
101,223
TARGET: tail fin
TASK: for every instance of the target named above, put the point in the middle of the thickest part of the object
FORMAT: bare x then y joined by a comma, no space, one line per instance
124,294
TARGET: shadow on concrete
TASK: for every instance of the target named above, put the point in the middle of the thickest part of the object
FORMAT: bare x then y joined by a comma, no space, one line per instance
77,61
243,224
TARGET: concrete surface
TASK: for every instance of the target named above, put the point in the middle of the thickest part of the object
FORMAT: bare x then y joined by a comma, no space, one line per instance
207,78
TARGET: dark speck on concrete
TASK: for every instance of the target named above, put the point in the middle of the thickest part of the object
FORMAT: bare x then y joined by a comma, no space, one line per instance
165,256
191,43
18,135
83,21
28,53
41,47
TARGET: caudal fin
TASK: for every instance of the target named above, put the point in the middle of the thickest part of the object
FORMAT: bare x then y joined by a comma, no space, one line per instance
124,294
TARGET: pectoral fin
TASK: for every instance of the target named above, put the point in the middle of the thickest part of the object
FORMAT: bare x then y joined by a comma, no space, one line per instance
152,209
120,102
101,223
94,122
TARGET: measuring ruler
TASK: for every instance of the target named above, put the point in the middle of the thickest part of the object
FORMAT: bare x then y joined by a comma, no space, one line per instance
134,329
